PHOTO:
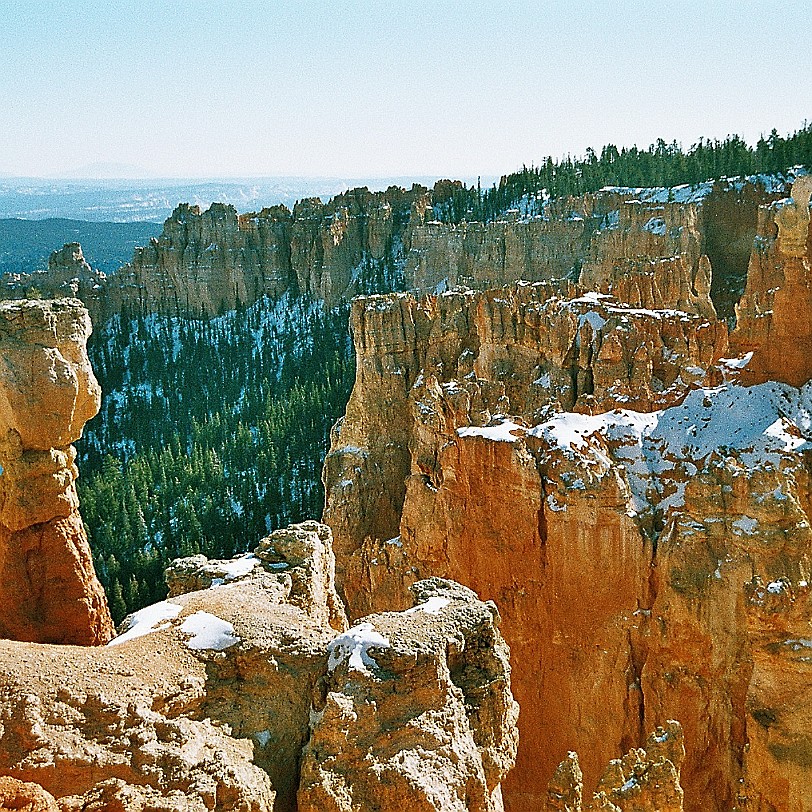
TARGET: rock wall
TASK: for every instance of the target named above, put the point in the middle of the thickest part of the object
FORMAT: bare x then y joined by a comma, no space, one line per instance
206,262
252,694
648,247
48,588
640,515
774,317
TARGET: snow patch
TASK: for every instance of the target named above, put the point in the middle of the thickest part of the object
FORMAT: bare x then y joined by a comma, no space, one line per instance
238,567
433,606
656,226
263,737
745,526
501,433
208,632
149,619
353,646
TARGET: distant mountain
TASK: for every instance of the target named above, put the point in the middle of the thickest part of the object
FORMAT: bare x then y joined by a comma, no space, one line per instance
101,171
132,200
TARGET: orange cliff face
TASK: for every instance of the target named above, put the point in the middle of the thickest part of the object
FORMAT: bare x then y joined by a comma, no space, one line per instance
774,317
206,262
597,467
48,588
645,246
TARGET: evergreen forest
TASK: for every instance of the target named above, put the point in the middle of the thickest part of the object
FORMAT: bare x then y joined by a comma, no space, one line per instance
212,433
661,164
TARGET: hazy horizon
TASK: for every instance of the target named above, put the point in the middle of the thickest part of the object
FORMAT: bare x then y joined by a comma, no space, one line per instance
160,90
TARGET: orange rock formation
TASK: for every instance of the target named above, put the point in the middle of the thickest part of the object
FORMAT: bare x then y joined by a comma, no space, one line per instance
48,588
773,316
603,471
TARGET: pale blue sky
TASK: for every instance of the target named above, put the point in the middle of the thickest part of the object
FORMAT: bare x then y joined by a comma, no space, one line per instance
227,87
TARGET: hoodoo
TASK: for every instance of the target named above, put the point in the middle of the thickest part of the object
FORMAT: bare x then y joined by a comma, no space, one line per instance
48,588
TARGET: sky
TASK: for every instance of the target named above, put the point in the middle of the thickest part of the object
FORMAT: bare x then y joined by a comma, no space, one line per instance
227,88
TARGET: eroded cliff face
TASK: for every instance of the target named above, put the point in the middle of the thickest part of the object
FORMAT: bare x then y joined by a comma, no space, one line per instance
648,247
206,262
252,694
773,316
48,588
638,510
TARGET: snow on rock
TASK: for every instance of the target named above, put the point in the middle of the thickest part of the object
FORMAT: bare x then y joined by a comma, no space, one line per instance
144,621
208,631
737,363
660,451
239,567
500,433
353,645
745,526
433,606
656,226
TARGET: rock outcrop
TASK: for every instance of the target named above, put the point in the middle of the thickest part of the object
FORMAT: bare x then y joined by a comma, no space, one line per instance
24,797
48,588
417,712
774,317
643,780
68,275
647,247
639,514
253,695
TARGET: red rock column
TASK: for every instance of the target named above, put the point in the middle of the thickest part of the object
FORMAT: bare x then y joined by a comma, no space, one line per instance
49,592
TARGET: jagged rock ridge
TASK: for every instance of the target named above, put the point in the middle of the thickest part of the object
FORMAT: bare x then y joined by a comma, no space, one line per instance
636,241
607,473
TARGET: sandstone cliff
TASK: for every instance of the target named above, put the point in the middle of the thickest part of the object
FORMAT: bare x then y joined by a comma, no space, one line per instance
212,260
773,316
648,247
252,694
48,589
605,472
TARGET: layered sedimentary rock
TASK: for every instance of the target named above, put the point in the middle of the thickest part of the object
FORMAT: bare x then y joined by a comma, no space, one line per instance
643,780
639,514
213,260
774,317
240,696
48,588
648,247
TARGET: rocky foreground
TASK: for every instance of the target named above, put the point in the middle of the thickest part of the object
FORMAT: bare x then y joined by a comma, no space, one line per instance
252,694
627,480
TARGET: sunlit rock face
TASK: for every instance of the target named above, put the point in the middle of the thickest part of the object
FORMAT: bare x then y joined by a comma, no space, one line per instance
48,588
600,467
774,317
651,248
251,693
643,780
